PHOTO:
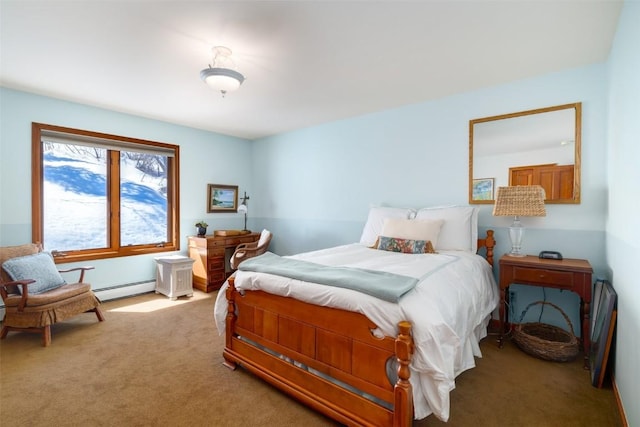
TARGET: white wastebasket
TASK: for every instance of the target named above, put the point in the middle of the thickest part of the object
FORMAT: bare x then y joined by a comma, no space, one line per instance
173,276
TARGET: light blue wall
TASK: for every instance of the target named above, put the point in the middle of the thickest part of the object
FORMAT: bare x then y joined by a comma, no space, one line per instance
623,223
313,187
204,157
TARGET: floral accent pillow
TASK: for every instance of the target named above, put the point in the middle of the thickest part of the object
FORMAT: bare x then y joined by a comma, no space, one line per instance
406,246
427,229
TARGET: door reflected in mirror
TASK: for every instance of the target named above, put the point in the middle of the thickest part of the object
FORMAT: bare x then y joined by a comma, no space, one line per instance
534,147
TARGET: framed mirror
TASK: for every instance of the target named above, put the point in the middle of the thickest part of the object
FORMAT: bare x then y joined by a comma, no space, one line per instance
534,147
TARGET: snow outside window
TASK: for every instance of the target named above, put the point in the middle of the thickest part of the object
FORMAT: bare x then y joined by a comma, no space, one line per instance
102,195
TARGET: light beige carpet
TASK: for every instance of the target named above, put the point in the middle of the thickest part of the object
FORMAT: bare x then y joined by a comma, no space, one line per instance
158,362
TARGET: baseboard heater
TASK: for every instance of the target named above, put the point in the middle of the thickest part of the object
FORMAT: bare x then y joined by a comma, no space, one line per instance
125,290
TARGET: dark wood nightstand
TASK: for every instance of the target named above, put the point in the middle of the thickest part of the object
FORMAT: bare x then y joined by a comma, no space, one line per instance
570,274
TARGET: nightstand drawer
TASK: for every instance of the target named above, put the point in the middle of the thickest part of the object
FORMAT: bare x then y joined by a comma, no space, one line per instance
544,277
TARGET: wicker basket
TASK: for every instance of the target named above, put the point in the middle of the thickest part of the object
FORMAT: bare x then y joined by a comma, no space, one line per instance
546,341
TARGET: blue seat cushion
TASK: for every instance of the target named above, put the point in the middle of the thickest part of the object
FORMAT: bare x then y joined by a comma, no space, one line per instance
39,267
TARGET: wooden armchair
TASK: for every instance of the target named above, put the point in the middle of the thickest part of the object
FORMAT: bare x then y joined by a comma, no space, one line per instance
249,250
36,310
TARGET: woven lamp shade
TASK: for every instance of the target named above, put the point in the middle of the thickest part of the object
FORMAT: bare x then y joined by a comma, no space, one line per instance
521,200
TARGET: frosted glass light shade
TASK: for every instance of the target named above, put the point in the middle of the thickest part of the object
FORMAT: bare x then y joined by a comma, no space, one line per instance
222,79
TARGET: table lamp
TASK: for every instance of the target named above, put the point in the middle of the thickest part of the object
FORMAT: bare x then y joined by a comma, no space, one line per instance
517,201
243,209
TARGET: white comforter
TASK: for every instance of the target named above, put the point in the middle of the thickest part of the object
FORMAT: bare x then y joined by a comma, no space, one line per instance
449,309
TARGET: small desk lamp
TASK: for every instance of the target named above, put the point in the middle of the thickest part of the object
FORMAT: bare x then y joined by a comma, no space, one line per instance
243,209
517,201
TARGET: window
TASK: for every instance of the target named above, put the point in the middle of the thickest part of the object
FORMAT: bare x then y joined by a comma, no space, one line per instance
99,196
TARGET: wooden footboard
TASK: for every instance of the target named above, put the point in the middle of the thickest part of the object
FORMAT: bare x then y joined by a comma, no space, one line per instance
323,342
325,357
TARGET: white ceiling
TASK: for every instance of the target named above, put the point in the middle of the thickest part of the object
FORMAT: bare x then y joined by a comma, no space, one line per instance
306,62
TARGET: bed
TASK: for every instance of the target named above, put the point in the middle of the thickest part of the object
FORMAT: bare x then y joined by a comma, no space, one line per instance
360,357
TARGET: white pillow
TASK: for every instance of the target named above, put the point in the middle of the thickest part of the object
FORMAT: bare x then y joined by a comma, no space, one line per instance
460,229
375,221
264,235
413,229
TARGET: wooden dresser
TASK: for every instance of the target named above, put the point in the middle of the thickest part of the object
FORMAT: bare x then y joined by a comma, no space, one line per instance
211,256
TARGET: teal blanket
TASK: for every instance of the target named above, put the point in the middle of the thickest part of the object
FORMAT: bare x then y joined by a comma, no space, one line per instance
387,286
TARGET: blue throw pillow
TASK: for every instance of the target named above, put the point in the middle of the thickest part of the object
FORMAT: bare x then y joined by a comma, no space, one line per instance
39,267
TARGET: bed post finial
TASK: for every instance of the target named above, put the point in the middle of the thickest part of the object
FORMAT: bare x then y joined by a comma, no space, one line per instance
403,395
490,243
230,323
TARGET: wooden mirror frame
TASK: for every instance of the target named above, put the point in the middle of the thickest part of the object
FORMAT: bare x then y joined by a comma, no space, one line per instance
490,182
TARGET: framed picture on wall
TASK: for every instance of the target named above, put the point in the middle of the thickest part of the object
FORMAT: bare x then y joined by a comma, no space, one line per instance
222,198
603,331
483,189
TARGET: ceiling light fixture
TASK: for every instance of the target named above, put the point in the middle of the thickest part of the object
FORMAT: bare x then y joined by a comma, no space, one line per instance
222,75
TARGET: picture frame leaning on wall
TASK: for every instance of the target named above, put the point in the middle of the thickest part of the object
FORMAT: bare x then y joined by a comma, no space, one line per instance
604,315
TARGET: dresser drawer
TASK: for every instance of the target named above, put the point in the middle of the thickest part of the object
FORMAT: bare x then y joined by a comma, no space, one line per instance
216,277
543,277
215,252
213,243
215,263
